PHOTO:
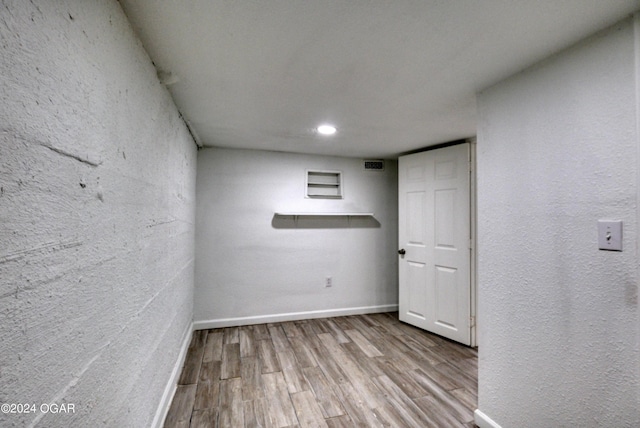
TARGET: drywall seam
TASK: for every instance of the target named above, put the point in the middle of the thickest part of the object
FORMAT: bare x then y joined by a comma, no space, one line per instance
292,316
484,421
170,389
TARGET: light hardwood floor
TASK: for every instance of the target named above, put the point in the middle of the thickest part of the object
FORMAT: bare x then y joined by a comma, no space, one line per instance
365,370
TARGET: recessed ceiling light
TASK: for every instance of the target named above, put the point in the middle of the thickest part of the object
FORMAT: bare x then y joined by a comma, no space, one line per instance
326,129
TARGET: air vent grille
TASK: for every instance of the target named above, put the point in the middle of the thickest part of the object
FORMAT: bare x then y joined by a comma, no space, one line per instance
373,165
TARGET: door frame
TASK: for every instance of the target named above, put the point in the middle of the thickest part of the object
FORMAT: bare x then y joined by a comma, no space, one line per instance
473,216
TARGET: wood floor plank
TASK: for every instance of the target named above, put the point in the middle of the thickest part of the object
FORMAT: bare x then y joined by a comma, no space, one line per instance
356,408
356,371
424,338
231,410
207,394
256,414
360,380
268,358
453,372
406,383
367,364
338,333
328,365
210,371
466,397
468,367
291,329
457,351
279,339
342,322
304,356
432,355
367,347
193,360
444,397
444,381
250,373
391,416
412,331
205,418
179,414
379,330
319,326
394,349
307,410
213,347
247,343
230,367
441,415
371,320
415,345
199,338
340,422
360,325
292,372
260,332
231,335
408,411
323,392
387,323
310,334
281,410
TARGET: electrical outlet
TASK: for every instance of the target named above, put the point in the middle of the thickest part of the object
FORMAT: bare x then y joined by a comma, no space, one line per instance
328,282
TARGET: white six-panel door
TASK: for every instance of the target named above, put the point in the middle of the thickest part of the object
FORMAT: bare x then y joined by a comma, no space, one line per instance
434,233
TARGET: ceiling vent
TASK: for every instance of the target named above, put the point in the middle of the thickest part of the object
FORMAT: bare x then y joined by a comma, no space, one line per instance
373,165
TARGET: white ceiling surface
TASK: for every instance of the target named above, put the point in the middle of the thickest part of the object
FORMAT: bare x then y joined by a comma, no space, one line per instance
393,76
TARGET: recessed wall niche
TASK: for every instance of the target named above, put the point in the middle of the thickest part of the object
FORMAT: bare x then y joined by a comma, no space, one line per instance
324,184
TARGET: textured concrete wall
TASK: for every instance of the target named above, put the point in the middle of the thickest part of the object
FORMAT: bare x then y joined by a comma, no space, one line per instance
558,319
250,264
97,187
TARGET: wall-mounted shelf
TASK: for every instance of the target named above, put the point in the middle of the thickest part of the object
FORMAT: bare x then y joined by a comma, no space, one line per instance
296,215
323,220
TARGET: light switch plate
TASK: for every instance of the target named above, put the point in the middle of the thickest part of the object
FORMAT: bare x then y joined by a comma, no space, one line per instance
610,235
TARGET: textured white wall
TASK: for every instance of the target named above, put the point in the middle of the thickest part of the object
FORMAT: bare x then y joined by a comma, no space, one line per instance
249,264
557,150
97,211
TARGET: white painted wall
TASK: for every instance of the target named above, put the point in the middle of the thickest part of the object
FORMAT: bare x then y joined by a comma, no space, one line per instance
557,150
253,267
97,211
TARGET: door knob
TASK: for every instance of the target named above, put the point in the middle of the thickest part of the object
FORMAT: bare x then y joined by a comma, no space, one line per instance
402,252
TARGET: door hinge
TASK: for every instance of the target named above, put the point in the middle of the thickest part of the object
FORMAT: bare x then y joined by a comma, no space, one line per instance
472,322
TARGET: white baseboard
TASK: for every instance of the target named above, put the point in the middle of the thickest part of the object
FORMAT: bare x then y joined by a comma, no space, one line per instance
292,316
170,389
484,421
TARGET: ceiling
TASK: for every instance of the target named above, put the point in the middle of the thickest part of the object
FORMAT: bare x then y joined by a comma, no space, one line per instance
393,76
